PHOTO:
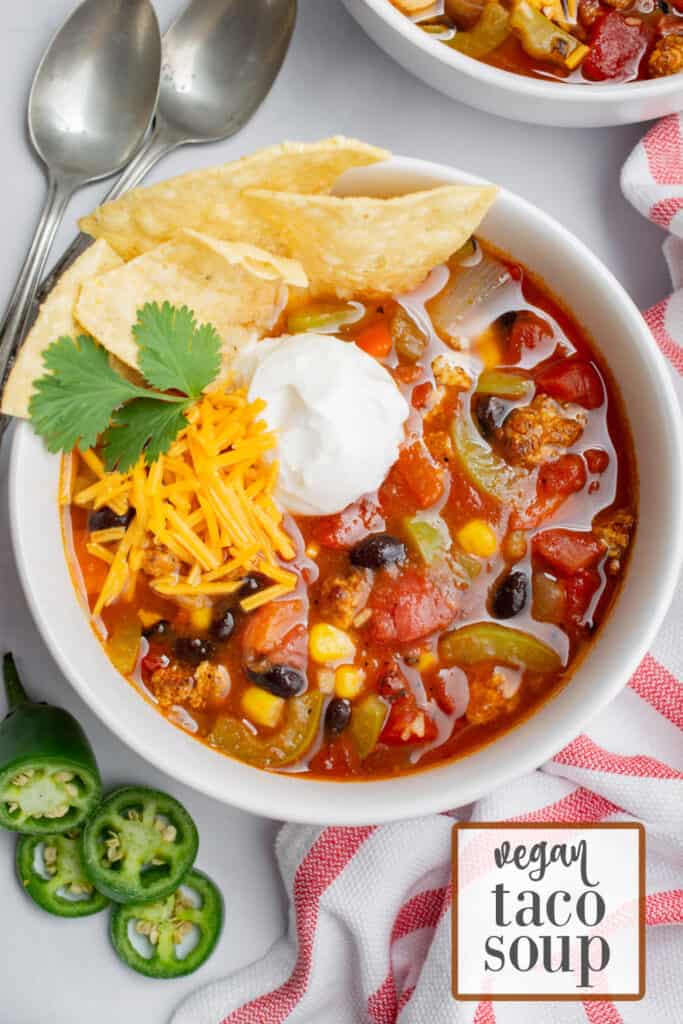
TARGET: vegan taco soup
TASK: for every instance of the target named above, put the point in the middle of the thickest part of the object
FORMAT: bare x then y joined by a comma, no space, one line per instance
345,491
585,42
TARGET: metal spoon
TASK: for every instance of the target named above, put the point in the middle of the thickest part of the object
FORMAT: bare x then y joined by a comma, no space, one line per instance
220,59
90,105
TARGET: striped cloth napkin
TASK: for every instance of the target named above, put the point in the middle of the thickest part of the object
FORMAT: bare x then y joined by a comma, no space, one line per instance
369,931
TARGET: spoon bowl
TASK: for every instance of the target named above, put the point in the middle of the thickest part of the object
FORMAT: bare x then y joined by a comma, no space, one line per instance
220,60
95,89
92,99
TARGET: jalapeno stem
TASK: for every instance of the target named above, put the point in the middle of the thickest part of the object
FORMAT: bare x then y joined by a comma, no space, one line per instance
16,694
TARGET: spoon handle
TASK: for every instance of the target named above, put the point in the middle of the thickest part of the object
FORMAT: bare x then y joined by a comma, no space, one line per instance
60,190
158,144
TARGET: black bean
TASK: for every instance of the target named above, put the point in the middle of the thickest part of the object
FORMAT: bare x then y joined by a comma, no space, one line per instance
159,629
377,550
223,627
193,649
279,680
511,595
252,583
105,519
506,320
338,715
490,412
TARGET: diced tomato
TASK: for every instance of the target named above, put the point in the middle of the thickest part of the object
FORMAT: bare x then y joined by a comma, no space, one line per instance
347,527
336,758
572,380
421,394
277,631
568,551
597,460
556,481
376,339
154,659
580,590
527,331
406,374
617,45
406,723
408,607
421,474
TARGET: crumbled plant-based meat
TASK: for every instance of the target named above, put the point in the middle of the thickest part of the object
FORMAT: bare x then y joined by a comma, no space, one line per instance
343,597
440,445
487,700
615,533
667,57
535,433
448,375
158,561
211,683
171,684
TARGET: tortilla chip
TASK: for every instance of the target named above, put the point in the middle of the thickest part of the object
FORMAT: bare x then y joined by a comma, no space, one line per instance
209,200
226,284
55,319
354,246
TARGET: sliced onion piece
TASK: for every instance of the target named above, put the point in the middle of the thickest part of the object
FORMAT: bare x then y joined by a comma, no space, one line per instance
474,297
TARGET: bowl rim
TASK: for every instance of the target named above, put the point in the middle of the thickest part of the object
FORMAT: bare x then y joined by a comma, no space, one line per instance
275,795
567,93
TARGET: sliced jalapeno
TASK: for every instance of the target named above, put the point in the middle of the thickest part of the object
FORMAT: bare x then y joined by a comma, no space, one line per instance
49,780
173,936
51,871
138,845
286,746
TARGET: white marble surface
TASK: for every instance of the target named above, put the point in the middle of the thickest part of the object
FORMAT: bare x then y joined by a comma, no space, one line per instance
334,80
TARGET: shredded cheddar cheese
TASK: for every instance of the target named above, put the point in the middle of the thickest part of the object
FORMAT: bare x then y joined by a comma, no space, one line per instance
208,501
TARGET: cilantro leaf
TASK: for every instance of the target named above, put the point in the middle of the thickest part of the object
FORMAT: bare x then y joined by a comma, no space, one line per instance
176,354
143,425
74,402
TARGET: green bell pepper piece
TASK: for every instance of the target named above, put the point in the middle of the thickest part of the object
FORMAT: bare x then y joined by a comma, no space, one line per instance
367,721
165,925
138,845
489,32
505,384
286,746
429,537
541,39
49,780
51,871
322,316
484,468
483,641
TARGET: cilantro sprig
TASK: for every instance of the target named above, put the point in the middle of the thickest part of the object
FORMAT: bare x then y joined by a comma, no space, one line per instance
82,397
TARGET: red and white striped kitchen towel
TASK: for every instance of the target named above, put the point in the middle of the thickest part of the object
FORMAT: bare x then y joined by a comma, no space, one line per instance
369,930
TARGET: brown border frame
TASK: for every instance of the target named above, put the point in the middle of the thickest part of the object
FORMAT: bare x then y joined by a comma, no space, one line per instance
549,998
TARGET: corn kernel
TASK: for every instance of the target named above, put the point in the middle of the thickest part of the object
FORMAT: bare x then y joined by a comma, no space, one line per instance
426,661
348,681
148,618
488,347
477,538
329,644
261,707
201,618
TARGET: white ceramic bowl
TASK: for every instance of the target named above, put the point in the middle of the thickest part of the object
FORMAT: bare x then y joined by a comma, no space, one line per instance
599,302
509,95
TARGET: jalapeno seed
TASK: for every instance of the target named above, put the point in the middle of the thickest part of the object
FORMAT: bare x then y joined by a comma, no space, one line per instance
338,715
279,680
377,550
510,596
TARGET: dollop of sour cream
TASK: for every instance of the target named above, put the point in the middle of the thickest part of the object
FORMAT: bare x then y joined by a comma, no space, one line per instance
337,413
